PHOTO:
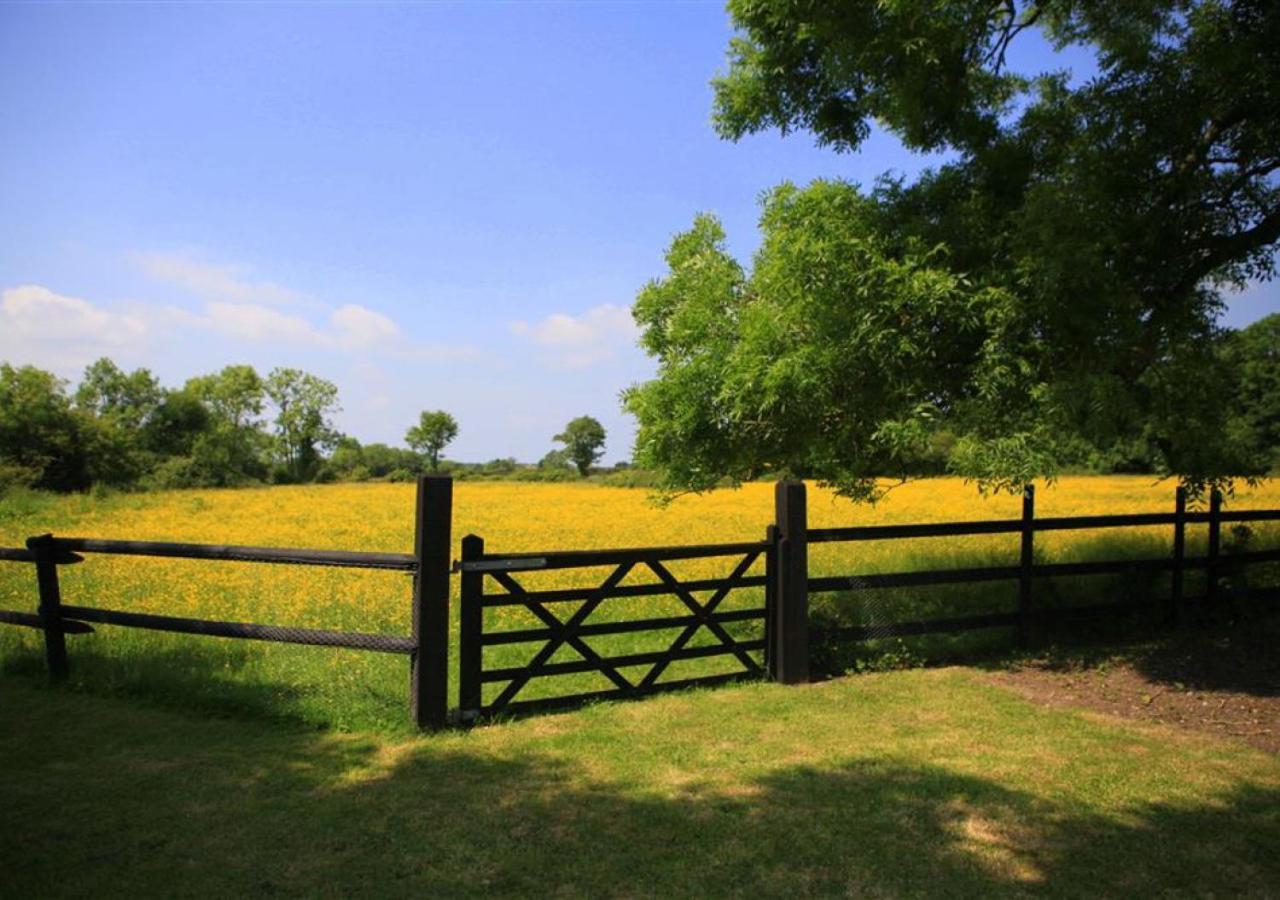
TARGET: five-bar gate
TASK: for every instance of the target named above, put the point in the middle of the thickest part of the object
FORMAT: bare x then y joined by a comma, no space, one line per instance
569,620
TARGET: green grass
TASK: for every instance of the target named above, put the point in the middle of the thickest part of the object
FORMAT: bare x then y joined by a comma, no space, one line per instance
917,783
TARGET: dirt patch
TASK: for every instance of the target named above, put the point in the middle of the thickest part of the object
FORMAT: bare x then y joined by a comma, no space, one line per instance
1225,683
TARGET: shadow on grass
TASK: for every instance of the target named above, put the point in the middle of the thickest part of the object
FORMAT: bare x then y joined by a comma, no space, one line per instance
1241,654
1071,638
221,678
205,808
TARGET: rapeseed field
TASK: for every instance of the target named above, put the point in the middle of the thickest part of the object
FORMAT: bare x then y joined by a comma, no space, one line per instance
350,689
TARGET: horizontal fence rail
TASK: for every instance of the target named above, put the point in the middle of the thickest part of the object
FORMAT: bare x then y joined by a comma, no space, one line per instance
427,647
480,570
402,562
353,640
1014,526
1028,617
581,559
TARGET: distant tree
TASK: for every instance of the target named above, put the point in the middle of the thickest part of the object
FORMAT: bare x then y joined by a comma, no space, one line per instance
556,459
583,440
303,404
176,423
231,450
434,431
128,399
235,394
42,440
1254,356
116,409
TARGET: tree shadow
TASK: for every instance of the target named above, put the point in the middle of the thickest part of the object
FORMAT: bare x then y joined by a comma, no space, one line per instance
207,676
201,808
1240,654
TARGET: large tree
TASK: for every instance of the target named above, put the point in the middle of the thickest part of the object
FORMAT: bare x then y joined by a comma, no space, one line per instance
230,451
583,440
1056,281
303,404
434,431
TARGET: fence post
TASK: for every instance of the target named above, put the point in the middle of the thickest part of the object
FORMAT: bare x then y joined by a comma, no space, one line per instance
1179,555
770,601
791,625
471,615
1026,615
1215,549
50,610
429,666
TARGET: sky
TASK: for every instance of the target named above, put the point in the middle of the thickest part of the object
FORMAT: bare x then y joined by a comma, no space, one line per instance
434,206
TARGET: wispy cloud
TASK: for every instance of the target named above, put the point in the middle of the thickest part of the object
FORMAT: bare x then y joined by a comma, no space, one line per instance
250,310
226,283
576,342
351,327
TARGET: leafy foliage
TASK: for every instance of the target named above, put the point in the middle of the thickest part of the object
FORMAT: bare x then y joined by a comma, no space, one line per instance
1254,355
583,440
434,431
1052,287
303,405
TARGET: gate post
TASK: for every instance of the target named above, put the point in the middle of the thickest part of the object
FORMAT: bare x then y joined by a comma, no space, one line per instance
791,607
429,663
471,630
1179,555
1028,626
1215,552
55,641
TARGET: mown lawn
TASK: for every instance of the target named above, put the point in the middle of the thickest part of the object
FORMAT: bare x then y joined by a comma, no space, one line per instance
926,782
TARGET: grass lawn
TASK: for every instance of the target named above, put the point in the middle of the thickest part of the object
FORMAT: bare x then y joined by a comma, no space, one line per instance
925,782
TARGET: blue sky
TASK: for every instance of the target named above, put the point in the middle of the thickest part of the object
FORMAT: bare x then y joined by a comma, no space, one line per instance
434,206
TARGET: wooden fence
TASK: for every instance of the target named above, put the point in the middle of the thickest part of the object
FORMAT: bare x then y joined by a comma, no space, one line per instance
1029,617
780,648
427,647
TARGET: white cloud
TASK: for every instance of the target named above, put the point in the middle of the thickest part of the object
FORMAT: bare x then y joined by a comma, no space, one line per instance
252,322
593,337
52,329
357,326
351,327
213,282
246,310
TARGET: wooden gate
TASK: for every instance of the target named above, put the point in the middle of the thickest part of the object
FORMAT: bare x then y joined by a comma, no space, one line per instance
732,635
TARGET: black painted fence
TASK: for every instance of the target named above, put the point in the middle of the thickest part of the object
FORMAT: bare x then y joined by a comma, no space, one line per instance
779,648
427,647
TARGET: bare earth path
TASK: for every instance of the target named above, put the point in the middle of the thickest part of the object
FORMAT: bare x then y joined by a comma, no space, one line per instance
1225,682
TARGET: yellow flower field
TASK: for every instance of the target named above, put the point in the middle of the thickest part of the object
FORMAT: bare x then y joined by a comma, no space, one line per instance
512,517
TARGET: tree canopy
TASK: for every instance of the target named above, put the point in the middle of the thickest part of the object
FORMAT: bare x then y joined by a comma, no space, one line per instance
303,403
583,440
1054,285
434,431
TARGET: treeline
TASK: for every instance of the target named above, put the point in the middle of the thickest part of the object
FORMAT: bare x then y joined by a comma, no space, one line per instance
124,429
234,427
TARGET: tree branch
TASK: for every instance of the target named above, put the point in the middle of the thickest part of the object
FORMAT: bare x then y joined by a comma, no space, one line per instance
1233,246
